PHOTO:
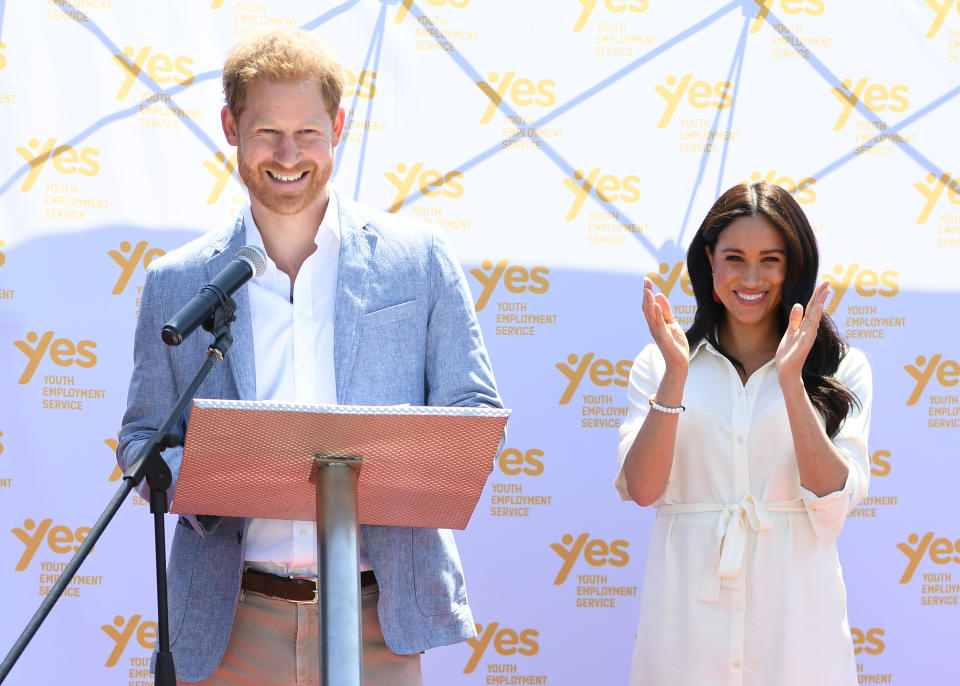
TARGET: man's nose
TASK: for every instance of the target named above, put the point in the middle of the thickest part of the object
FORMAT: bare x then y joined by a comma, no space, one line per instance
287,152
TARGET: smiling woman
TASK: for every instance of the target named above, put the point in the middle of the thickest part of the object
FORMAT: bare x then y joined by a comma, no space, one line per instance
748,434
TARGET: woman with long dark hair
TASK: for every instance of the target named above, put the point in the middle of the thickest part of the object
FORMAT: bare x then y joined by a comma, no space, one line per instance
748,434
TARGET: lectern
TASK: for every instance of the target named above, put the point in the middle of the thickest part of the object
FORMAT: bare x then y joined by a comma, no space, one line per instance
341,466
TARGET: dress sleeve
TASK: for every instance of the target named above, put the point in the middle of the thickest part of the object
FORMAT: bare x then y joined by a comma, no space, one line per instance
828,513
645,375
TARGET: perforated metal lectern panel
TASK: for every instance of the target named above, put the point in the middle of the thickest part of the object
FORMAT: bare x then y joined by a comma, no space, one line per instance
422,466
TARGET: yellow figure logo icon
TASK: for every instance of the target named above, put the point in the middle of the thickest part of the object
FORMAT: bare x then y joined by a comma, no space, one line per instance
146,633
505,642
601,372
63,353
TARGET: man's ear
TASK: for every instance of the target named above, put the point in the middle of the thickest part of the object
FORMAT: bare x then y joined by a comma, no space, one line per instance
229,123
338,126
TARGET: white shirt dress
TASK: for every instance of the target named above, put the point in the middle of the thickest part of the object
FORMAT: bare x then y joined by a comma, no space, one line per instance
743,586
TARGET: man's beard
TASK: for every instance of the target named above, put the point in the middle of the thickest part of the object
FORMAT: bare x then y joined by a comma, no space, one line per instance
273,196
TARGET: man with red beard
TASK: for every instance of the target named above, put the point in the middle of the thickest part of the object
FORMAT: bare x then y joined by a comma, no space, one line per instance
356,307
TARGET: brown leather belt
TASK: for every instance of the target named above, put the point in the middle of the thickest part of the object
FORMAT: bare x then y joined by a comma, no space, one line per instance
296,590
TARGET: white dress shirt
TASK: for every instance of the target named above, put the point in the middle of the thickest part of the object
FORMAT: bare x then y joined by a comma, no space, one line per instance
293,354
742,584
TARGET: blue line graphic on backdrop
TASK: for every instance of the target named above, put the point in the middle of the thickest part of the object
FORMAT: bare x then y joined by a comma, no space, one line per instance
836,83
201,135
741,49
375,38
639,62
468,69
378,34
328,15
736,66
749,7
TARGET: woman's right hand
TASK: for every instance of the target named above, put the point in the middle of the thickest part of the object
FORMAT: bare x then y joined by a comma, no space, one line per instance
666,332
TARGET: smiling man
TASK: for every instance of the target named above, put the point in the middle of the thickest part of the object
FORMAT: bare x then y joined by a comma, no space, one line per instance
356,307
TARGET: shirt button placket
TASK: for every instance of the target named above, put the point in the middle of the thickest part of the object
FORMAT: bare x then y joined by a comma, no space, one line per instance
741,483
737,624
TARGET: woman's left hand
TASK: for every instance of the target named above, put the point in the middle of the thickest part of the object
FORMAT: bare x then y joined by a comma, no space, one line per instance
800,334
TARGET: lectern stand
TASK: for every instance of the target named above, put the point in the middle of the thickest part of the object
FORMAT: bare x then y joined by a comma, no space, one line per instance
340,466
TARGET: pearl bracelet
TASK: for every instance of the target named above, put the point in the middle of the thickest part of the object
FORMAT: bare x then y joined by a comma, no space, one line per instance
663,408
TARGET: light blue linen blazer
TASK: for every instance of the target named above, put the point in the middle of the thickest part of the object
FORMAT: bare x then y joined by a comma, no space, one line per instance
405,331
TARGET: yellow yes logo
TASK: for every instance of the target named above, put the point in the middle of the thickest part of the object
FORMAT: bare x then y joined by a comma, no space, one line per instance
607,188
516,279
864,283
940,551
66,160
947,373
222,169
405,6
146,633
803,190
63,353
875,96
869,641
814,8
512,462
596,553
931,194
429,182
880,463
521,92
941,8
601,372
3,258
364,85
1,444
615,6
505,642
60,539
699,95
112,443
161,68
671,275
3,58
128,263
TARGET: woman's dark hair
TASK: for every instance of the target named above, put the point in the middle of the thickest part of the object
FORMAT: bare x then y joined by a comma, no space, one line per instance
774,203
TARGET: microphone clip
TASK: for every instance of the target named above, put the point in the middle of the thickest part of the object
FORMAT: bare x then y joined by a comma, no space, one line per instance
223,314
218,324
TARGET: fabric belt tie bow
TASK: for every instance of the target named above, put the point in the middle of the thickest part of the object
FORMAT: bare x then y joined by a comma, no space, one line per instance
725,566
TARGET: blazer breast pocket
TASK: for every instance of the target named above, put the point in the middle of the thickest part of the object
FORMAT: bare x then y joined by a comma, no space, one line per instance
388,315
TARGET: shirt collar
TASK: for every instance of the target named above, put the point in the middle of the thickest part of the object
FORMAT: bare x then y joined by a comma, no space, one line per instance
702,344
330,222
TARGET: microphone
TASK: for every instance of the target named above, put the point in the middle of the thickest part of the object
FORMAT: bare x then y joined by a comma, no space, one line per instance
250,262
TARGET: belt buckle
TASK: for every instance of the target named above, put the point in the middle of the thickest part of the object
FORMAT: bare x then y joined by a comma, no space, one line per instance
316,590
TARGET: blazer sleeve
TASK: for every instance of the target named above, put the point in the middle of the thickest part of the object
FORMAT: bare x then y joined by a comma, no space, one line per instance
152,392
457,368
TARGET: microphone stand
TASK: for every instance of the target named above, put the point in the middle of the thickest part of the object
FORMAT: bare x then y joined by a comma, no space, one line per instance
149,464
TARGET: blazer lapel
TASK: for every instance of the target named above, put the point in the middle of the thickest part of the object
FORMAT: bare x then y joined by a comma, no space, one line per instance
240,356
357,247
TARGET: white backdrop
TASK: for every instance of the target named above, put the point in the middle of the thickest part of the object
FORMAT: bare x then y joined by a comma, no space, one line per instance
568,148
